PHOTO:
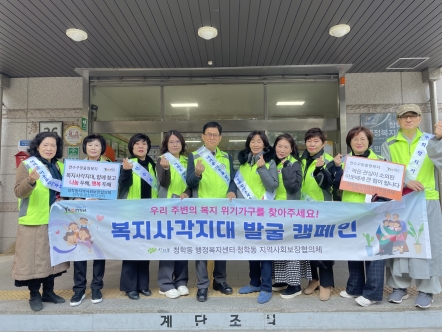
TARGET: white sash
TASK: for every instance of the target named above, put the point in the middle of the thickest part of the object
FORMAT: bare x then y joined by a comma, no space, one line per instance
246,190
418,157
243,186
143,173
215,165
45,176
174,162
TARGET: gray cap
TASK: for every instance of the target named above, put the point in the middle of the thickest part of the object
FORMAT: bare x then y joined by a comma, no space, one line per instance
408,108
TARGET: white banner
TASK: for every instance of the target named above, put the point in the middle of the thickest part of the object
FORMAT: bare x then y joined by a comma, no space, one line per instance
194,229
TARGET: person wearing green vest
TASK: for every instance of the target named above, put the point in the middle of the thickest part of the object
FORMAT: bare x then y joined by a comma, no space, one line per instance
365,282
421,153
257,179
287,274
94,146
32,264
317,186
171,173
207,181
135,274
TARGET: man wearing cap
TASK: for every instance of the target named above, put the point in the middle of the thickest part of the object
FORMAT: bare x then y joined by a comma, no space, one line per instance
422,165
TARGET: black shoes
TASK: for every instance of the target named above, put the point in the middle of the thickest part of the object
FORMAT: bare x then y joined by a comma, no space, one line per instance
96,296
77,299
133,295
35,302
223,287
50,296
202,294
146,292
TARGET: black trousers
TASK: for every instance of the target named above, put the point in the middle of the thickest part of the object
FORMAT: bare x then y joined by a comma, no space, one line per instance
134,276
80,270
325,272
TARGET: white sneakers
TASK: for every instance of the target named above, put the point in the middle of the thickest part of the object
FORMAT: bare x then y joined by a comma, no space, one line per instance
346,295
364,302
183,290
174,293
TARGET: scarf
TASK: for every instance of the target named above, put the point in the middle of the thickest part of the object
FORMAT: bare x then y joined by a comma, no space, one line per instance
55,173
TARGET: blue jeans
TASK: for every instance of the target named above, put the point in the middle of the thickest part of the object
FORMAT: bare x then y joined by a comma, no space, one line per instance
260,273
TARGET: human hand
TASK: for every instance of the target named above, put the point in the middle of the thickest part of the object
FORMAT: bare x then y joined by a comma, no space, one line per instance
184,195
415,185
33,176
199,168
260,162
319,162
338,159
438,130
127,165
164,163
231,195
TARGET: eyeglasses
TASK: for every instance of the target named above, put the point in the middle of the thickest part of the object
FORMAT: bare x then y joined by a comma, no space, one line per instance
405,116
212,135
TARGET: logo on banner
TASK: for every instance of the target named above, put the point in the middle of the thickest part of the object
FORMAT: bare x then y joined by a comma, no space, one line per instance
77,209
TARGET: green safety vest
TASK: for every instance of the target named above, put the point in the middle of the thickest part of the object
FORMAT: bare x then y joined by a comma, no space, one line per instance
401,153
252,178
281,190
135,191
34,210
211,184
177,185
310,186
351,196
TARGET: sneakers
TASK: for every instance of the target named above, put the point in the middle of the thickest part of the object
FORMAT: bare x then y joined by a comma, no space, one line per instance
312,287
278,286
290,292
172,293
364,302
398,295
424,300
96,296
183,290
77,299
249,289
346,295
264,297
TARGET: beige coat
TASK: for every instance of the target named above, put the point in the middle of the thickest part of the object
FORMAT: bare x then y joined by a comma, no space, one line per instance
32,259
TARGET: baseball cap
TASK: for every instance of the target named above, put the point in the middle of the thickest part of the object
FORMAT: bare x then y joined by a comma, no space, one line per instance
408,108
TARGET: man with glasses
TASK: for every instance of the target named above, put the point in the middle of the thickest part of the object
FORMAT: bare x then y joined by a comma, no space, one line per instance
210,174
421,153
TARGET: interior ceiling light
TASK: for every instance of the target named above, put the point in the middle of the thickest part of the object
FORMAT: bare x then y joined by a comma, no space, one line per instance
192,141
76,34
207,32
339,30
237,140
185,105
289,103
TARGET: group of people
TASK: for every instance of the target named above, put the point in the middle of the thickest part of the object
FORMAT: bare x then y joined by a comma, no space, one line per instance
266,172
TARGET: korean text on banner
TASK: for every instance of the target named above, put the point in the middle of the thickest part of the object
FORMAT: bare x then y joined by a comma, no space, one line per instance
90,179
244,229
371,176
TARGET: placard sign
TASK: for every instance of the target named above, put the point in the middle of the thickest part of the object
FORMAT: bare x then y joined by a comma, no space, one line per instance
371,176
90,179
